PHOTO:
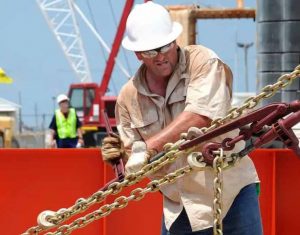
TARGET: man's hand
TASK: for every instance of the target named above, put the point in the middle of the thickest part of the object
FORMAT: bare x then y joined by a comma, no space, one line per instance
80,142
52,141
139,157
112,148
52,144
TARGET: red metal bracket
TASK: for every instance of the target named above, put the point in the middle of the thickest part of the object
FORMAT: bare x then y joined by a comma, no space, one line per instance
268,116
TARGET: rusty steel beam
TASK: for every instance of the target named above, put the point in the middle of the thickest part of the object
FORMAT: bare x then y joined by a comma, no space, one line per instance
215,13
187,15
234,13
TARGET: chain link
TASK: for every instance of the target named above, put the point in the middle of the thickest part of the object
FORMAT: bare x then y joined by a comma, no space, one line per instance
82,204
266,92
218,164
171,155
122,201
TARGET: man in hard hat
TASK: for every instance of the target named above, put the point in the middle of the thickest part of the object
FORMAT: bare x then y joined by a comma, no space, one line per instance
174,89
65,126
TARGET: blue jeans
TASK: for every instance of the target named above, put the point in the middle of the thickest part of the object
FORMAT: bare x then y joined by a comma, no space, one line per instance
243,217
67,143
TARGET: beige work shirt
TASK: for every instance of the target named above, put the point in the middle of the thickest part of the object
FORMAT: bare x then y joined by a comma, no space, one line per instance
201,83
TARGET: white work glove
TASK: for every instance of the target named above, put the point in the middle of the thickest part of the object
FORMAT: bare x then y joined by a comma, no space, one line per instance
139,157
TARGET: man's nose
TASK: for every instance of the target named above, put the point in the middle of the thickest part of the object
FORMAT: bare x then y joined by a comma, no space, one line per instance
160,57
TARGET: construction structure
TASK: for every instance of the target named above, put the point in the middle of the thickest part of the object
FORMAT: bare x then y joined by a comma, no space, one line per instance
188,16
278,47
7,138
87,97
9,124
88,173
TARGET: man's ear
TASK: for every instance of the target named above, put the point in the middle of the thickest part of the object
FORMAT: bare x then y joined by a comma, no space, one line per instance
176,44
138,55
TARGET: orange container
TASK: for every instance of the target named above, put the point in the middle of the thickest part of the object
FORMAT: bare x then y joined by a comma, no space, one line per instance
35,180
279,172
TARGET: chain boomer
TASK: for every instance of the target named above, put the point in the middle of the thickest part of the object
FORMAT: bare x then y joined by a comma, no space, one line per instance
171,152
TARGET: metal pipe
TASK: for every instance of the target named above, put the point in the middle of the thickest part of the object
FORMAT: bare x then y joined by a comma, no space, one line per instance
246,46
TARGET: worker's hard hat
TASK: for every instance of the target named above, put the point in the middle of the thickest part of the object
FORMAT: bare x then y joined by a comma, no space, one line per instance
149,26
61,98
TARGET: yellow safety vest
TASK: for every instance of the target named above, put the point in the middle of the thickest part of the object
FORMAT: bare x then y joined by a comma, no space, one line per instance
66,127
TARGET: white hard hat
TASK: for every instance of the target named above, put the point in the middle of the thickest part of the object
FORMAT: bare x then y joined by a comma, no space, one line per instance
149,26
62,97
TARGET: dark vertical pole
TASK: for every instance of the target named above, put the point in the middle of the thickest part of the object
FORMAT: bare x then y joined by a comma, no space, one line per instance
246,46
43,121
36,116
53,101
246,68
20,112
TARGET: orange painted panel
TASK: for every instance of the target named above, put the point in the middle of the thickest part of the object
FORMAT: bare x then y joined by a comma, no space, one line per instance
35,180
279,171
142,217
287,193
264,161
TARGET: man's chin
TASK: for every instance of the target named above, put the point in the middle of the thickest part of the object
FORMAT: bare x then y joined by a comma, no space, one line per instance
164,73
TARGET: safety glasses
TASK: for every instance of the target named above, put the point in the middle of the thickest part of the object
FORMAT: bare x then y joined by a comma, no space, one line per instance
152,53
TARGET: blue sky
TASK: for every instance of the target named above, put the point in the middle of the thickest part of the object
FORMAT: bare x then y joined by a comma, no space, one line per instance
31,55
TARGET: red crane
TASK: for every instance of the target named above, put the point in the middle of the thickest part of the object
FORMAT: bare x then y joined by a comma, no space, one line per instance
89,99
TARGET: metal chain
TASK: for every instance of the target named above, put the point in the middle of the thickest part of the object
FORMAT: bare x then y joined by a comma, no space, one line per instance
218,164
171,155
266,92
82,204
122,201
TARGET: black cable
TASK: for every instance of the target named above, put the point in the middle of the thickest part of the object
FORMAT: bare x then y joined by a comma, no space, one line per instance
96,28
122,49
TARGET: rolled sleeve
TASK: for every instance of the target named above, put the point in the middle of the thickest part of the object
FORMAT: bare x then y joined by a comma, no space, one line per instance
127,134
209,89
53,125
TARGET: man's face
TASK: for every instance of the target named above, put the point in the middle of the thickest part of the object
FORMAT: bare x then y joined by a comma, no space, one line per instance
163,62
64,106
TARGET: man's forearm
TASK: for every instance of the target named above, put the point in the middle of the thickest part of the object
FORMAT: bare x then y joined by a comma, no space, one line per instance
172,132
52,134
79,133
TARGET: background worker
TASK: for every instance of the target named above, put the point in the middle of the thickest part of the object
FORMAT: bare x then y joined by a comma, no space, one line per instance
175,89
65,126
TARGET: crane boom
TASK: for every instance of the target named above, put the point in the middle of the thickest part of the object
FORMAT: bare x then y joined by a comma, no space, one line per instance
60,17
101,40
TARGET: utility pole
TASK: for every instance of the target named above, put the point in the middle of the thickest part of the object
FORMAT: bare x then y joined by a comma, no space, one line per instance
53,100
245,46
43,121
20,112
36,116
